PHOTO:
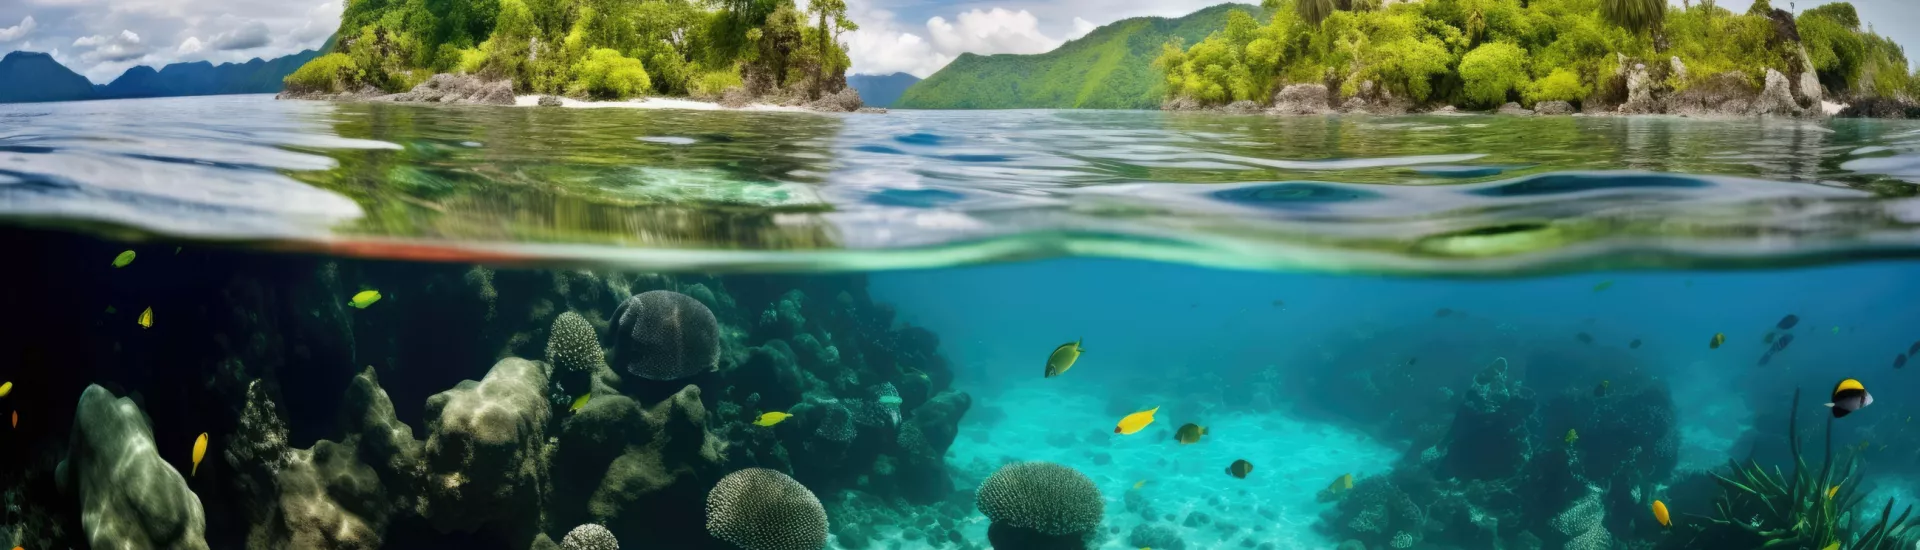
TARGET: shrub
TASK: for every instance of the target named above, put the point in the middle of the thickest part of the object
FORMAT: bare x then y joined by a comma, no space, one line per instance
471,60
1492,70
605,74
332,73
1560,85
711,84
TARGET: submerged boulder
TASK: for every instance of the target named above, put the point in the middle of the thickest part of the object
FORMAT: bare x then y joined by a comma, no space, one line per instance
344,494
485,450
642,473
129,497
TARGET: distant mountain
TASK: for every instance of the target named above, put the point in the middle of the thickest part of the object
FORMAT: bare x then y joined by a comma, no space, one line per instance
881,90
1109,68
33,76
43,79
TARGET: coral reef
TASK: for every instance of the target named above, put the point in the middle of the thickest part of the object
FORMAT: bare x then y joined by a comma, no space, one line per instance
663,335
589,536
761,509
1040,505
129,497
485,450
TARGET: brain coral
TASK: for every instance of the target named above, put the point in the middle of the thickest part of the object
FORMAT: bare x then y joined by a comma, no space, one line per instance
572,345
665,335
589,536
1042,496
761,509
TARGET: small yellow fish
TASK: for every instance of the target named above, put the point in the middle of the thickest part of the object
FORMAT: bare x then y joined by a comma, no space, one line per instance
123,259
1718,338
1660,514
146,318
1603,286
1063,357
364,298
1133,423
771,418
1831,491
199,452
581,402
1572,436
6,389
1138,484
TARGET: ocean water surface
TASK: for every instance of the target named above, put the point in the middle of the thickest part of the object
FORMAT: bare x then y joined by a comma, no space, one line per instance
792,331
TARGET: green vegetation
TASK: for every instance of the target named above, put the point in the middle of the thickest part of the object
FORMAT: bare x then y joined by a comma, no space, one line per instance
1481,53
1109,68
606,49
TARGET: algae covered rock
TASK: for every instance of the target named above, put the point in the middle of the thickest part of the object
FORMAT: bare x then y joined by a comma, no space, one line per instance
665,335
129,497
344,494
485,447
641,473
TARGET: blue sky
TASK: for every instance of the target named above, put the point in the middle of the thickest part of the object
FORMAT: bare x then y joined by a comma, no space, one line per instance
102,38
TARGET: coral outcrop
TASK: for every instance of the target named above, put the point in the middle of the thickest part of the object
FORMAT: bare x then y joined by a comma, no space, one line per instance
663,335
761,509
129,497
1040,505
485,449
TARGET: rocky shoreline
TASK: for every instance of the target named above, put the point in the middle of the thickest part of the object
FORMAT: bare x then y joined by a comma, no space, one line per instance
1644,91
461,89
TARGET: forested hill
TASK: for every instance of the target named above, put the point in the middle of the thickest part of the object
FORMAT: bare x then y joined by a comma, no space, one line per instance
1110,68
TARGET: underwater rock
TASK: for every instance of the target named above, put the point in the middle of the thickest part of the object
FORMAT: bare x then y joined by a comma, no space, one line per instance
485,449
771,371
343,495
637,472
1378,513
129,497
1489,437
1037,505
663,335
761,509
1159,536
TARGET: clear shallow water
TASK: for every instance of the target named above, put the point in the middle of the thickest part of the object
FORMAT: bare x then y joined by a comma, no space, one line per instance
791,191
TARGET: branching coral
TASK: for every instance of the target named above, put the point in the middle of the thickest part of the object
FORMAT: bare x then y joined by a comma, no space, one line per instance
1795,511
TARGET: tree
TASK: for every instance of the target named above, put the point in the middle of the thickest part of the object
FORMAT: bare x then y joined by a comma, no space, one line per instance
1638,16
1492,70
1313,11
1760,7
833,21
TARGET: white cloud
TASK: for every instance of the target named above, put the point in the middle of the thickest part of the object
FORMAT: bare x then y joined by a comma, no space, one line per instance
19,31
111,48
251,34
321,21
1080,28
189,46
990,32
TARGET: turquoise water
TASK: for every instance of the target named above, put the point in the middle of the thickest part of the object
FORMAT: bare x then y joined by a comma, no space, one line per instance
1501,328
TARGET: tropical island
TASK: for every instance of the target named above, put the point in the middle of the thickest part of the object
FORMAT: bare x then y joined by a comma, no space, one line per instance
1398,56
486,51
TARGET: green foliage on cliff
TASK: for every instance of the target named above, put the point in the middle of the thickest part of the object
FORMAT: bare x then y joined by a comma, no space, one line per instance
1110,68
1481,53
590,48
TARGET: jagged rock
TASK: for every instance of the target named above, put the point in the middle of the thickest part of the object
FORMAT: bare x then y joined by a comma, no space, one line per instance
485,448
1553,108
549,101
129,497
1776,98
459,89
1511,108
1301,99
1723,94
1640,85
1881,107
846,100
343,495
641,473
1242,107
1807,85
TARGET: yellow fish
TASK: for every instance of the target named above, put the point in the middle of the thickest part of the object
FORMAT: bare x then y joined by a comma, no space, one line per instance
581,402
1660,514
123,259
1718,338
1063,357
1572,436
199,452
1133,423
1342,483
1831,491
771,418
1138,484
365,298
146,318
6,389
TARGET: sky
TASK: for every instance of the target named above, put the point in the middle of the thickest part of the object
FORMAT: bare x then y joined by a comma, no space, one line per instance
102,38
